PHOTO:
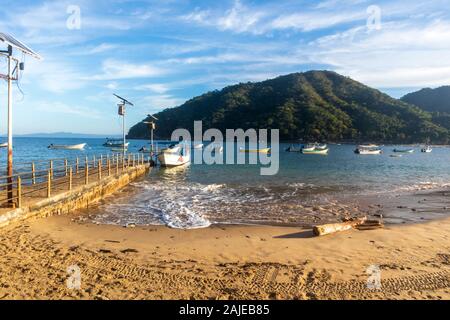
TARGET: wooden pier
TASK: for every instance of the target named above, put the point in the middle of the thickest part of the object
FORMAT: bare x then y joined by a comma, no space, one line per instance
46,187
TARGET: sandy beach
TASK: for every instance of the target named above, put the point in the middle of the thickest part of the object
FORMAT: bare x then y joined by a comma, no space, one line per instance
221,262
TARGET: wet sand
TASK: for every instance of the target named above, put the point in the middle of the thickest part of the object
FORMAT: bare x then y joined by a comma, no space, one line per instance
221,262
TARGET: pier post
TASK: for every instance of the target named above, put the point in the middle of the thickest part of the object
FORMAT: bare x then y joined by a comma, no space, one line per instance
49,183
70,178
86,171
93,162
51,167
65,167
123,163
117,164
99,170
33,173
133,160
77,165
19,192
109,166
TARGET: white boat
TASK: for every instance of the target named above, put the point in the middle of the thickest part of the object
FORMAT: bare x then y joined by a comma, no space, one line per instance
309,148
175,155
115,143
4,145
321,147
427,149
198,146
403,150
368,150
316,151
68,147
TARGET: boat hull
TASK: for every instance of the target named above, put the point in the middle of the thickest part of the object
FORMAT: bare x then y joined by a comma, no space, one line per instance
322,152
368,152
173,159
265,150
69,147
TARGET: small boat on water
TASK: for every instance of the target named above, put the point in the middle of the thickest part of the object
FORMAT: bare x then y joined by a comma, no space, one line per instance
4,145
175,155
370,149
198,146
315,151
67,147
262,150
403,150
427,149
115,143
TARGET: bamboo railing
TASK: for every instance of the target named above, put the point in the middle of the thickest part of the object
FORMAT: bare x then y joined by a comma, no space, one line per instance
46,177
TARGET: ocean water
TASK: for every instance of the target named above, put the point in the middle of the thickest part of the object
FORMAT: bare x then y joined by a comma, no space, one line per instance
306,189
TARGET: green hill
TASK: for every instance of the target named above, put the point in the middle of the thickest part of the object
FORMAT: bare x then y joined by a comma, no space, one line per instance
314,106
432,100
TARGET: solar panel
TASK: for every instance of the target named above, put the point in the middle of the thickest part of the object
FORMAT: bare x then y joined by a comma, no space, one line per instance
8,39
124,100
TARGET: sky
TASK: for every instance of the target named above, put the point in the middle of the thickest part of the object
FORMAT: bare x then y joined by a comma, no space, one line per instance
159,54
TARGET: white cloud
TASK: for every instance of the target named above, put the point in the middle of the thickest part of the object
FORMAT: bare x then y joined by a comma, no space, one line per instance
237,19
116,69
154,87
399,55
158,102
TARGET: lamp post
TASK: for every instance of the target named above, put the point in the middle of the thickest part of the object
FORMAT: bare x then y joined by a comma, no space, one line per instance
152,127
14,68
121,112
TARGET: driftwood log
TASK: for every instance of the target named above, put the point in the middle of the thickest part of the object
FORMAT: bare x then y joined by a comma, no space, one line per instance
325,229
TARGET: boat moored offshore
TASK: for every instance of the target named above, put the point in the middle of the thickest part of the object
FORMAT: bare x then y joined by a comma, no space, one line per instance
79,146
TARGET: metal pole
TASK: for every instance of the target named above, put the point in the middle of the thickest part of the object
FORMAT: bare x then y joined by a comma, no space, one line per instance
123,130
10,143
151,138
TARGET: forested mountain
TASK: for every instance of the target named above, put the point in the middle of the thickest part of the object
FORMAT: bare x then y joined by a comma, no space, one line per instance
436,101
432,100
313,106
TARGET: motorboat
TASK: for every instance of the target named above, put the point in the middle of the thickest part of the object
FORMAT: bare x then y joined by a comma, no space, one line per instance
115,143
427,149
79,146
175,155
315,151
198,146
260,150
403,150
370,149
4,145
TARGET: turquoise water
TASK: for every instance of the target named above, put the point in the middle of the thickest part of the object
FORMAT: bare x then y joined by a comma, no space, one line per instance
306,189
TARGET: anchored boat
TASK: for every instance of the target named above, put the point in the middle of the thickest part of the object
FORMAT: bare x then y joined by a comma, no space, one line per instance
403,150
370,149
315,151
4,145
262,150
67,147
427,149
115,143
175,155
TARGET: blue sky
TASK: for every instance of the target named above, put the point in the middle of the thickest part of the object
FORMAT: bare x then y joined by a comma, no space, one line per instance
161,53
